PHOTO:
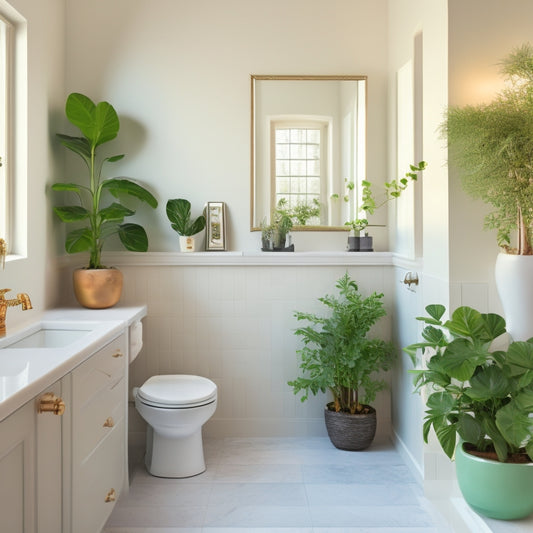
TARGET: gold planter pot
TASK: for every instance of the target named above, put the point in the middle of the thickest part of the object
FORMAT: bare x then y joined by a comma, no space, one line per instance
97,288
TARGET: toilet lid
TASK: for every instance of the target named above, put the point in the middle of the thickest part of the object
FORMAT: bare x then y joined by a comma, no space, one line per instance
179,390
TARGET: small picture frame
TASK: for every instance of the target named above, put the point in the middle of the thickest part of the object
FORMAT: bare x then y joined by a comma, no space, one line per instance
215,217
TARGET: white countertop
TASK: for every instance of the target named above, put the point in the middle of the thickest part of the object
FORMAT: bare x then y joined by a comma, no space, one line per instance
26,372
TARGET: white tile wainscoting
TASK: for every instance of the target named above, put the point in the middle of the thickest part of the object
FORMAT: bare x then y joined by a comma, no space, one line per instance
233,323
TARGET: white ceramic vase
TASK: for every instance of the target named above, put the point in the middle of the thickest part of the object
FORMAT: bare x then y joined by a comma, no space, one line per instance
188,244
514,281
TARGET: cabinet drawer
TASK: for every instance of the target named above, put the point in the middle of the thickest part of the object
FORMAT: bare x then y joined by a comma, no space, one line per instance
97,418
101,371
96,479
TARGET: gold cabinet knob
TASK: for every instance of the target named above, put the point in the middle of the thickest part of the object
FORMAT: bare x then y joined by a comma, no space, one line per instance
50,403
109,423
118,353
111,496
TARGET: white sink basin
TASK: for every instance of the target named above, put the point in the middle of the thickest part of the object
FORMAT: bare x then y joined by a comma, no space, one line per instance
50,338
49,335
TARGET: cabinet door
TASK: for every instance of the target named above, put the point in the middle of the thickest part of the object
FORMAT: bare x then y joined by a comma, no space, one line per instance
49,464
17,471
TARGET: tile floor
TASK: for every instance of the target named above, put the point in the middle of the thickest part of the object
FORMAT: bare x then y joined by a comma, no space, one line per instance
280,486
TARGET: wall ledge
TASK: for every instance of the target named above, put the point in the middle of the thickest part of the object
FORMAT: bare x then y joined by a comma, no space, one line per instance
148,259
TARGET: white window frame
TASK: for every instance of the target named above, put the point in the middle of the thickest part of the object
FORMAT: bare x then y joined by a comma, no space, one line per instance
14,147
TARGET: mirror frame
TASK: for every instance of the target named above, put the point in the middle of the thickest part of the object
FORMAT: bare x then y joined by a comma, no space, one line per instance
290,77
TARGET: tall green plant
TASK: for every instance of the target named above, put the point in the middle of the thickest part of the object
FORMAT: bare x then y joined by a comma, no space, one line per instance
492,146
481,394
338,355
98,124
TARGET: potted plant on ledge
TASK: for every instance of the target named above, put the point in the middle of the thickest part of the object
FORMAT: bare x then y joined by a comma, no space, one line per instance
479,403
97,286
491,144
339,356
179,214
369,205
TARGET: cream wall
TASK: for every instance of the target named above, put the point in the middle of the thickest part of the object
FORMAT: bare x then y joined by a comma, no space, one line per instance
35,272
178,72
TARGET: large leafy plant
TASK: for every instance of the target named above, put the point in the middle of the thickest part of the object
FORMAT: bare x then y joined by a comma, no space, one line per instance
338,355
98,124
492,145
481,394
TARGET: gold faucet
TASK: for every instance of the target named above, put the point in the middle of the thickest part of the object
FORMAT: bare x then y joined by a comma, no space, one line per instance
22,299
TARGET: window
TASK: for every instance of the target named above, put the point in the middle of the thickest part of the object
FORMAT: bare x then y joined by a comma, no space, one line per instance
300,164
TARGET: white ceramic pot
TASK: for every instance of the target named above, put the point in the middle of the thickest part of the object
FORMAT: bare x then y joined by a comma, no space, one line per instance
188,244
514,280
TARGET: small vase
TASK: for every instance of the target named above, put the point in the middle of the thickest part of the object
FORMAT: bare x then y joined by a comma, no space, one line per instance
97,288
188,243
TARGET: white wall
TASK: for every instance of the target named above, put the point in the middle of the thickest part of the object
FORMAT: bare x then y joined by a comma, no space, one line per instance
423,22
36,272
178,72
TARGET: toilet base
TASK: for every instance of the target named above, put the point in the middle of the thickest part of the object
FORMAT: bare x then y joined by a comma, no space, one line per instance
174,458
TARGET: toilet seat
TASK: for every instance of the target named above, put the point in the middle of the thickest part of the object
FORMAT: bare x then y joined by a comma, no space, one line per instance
177,391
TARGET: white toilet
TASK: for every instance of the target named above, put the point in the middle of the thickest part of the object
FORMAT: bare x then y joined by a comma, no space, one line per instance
175,408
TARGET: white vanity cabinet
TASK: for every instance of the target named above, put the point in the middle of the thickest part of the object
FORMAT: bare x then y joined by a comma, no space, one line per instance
98,445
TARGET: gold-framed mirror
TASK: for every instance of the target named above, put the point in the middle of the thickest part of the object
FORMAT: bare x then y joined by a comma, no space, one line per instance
308,146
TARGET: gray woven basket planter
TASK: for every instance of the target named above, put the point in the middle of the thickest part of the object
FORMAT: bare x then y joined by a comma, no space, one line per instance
351,432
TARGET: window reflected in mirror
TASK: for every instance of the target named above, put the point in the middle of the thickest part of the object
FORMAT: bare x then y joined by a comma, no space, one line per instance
308,148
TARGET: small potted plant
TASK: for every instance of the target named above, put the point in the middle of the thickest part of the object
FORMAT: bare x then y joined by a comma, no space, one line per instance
393,190
281,224
179,214
97,286
480,400
339,356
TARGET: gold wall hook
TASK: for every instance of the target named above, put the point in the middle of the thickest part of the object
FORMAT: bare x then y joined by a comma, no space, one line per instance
109,423
111,496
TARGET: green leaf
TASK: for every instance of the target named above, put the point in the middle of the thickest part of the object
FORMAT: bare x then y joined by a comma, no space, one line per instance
71,213
520,354
98,123
78,240
69,187
494,325
115,212
489,383
461,358
440,403
514,423
436,311
447,435
123,186
466,322
78,145
115,158
434,336
133,237
468,428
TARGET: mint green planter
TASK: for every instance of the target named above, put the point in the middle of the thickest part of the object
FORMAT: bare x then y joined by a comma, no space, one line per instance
493,489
